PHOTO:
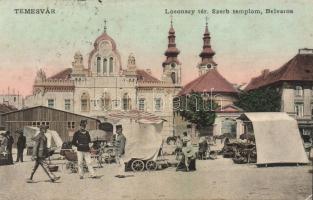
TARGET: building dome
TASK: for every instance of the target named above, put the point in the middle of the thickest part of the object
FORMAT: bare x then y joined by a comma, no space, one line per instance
105,37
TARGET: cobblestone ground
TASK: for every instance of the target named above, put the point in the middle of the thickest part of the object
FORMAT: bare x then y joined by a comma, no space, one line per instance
214,179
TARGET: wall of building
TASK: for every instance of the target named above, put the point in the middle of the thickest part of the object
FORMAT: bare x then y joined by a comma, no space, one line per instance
14,100
41,99
289,99
63,122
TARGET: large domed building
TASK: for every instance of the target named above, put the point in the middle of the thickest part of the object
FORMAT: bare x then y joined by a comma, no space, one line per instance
105,85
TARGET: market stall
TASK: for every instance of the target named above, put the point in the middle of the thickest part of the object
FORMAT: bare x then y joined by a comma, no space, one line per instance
277,137
142,131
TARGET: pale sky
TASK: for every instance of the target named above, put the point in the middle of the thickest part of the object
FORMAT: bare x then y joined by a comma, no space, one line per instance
244,44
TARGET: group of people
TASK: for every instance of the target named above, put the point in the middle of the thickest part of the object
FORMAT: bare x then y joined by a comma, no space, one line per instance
7,145
82,141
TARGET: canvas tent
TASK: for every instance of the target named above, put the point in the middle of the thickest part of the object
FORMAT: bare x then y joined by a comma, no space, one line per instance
277,138
30,131
100,135
142,131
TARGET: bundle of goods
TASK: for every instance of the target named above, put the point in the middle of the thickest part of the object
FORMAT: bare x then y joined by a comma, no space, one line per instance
245,153
240,152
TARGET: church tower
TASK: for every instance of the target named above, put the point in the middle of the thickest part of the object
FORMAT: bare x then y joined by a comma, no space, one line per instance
171,66
131,66
78,66
207,53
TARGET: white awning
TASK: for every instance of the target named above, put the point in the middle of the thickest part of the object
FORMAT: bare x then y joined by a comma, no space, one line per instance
277,138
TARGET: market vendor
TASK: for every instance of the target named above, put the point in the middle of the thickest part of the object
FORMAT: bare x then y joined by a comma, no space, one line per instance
120,142
188,161
186,138
203,147
6,146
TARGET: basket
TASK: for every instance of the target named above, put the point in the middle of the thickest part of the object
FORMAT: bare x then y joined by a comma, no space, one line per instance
70,155
53,168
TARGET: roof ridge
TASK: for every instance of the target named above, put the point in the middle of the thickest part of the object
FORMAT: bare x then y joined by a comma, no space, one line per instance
230,84
60,72
298,68
206,82
154,79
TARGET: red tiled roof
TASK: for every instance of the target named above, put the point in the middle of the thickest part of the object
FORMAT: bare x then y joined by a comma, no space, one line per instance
142,75
64,74
206,82
299,68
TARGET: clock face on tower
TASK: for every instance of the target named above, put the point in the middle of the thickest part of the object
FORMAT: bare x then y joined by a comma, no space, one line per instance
105,45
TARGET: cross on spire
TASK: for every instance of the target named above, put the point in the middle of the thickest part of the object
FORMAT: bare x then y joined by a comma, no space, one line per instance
105,25
206,20
171,20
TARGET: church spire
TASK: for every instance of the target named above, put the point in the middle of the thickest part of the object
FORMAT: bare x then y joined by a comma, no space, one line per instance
172,52
105,26
207,52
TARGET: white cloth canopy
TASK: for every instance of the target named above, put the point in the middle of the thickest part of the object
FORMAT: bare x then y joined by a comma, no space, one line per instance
277,138
142,131
30,132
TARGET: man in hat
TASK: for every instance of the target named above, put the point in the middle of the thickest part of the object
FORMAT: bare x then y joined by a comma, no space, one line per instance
21,145
82,141
40,153
120,143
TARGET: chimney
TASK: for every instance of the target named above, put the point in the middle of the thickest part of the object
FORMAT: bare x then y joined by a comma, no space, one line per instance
305,51
149,71
265,73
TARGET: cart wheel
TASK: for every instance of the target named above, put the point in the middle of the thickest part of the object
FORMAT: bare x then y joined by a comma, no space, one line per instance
151,165
137,165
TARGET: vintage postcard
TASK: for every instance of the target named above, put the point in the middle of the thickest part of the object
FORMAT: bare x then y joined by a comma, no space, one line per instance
156,100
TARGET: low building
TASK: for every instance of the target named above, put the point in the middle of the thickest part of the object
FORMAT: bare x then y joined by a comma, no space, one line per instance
12,99
4,108
294,81
65,123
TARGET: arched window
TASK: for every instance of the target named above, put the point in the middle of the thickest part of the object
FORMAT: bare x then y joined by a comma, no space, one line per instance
173,77
158,104
126,102
299,91
105,63
85,102
107,101
111,65
141,104
98,64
